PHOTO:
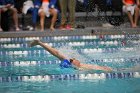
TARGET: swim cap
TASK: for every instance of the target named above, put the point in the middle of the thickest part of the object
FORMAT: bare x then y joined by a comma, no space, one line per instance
65,64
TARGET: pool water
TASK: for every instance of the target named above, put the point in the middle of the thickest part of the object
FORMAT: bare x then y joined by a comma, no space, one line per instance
34,70
74,86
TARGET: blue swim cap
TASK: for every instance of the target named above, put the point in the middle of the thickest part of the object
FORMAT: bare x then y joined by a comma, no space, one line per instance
65,64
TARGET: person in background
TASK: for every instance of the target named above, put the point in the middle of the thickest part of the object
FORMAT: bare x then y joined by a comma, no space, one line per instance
0,19
54,4
9,5
70,4
68,63
32,6
132,11
138,3
46,11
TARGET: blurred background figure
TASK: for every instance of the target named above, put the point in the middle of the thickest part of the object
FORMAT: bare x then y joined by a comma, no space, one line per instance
6,6
138,3
0,18
70,5
131,9
46,11
32,6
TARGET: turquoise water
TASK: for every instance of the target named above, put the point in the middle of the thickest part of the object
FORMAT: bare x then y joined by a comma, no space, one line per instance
18,63
74,86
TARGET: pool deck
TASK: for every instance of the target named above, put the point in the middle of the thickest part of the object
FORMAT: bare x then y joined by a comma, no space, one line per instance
85,31
93,26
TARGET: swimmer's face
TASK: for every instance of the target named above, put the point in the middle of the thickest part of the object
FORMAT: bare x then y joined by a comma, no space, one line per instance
75,62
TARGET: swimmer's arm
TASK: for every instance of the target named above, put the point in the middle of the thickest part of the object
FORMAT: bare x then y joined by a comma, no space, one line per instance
53,51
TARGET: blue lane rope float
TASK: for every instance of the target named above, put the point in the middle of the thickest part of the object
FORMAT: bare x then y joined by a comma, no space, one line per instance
116,42
81,43
58,38
65,64
40,51
94,76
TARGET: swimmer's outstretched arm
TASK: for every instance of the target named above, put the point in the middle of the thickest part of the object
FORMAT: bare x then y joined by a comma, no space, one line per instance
50,49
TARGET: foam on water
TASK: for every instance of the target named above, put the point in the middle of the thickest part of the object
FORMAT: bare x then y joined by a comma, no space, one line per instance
132,69
122,54
69,52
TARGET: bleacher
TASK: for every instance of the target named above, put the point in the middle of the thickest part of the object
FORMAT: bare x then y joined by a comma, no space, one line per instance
89,13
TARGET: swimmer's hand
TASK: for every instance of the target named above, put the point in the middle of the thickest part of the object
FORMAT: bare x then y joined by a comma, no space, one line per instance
33,43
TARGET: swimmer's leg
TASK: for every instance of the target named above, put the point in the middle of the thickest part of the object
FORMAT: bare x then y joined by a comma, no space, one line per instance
104,68
96,67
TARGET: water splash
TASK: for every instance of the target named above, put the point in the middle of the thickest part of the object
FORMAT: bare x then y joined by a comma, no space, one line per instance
135,68
70,52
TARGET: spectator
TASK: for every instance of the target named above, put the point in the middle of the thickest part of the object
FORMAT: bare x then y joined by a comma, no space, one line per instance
32,7
19,5
46,11
55,4
132,11
70,4
138,3
9,5
52,3
0,19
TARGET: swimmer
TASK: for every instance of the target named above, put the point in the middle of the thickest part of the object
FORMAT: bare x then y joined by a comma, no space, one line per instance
68,63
